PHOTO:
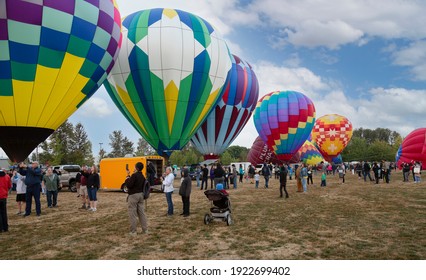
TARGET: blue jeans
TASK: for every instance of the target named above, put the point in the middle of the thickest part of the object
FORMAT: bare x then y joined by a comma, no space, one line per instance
257,184
304,184
33,190
234,179
266,181
92,193
51,194
169,203
198,181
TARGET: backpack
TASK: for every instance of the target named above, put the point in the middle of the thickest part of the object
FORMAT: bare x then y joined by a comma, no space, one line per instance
146,189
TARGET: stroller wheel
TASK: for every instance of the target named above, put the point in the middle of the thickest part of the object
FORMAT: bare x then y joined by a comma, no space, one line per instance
206,219
228,220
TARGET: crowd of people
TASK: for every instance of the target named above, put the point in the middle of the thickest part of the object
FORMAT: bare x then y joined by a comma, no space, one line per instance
30,182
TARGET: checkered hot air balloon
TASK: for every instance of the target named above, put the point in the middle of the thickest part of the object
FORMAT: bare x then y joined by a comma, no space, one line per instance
53,56
284,120
332,134
169,75
232,112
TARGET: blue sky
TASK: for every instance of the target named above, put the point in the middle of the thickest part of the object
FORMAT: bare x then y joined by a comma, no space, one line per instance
362,59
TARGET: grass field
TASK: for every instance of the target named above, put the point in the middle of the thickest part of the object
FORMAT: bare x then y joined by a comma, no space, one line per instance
355,220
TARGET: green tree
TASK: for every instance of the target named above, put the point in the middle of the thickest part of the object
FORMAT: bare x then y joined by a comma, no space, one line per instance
144,148
81,147
226,158
238,153
120,145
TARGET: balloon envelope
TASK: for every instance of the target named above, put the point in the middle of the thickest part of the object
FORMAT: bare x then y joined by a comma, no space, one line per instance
169,75
332,134
231,113
260,153
309,154
284,120
413,148
53,56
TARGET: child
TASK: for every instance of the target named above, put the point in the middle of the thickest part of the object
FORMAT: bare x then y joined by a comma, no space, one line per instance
256,179
323,180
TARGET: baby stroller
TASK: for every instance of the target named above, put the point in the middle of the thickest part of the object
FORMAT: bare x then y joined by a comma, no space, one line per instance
221,205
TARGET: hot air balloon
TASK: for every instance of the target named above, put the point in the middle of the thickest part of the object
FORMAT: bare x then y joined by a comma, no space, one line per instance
231,113
53,56
260,153
309,154
332,134
284,120
169,75
413,148
337,159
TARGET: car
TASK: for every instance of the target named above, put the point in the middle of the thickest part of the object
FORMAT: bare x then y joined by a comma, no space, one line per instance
67,175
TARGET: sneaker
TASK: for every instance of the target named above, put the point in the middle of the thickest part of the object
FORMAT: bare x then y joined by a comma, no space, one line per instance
145,231
83,207
19,213
89,209
133,233
94,209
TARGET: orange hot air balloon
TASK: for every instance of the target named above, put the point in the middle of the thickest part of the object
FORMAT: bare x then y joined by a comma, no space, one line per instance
332,134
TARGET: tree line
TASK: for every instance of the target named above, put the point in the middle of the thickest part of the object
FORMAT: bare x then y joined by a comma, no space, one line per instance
69,144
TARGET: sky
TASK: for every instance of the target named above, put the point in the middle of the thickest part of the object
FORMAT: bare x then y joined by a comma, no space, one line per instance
365,60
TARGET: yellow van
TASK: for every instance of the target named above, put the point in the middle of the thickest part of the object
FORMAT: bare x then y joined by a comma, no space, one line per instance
113,171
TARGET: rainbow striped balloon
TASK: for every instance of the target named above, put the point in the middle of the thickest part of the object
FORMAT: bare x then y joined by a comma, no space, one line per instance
231,113
284,120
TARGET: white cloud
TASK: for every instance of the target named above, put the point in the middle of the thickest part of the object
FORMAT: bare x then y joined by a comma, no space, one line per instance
332,23
96,107
413,56
332,34
272,77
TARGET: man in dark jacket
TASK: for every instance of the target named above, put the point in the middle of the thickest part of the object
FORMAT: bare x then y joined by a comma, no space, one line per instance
135,200
33,181
205,171
185,191
283,181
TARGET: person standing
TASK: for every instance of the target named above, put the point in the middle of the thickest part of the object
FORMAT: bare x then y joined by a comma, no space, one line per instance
33,181
93,184
342,172
266,172
304,177
256,179
417,172
298,178
168,189
205,172
51,183
324,179
251,172
241,173
197,175
219,174
5,186
185,192
135,199
283,181
83,188
21,190
212,169
310,175
234,176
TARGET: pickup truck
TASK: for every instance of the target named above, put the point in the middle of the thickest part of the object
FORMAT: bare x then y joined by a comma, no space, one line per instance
67,174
